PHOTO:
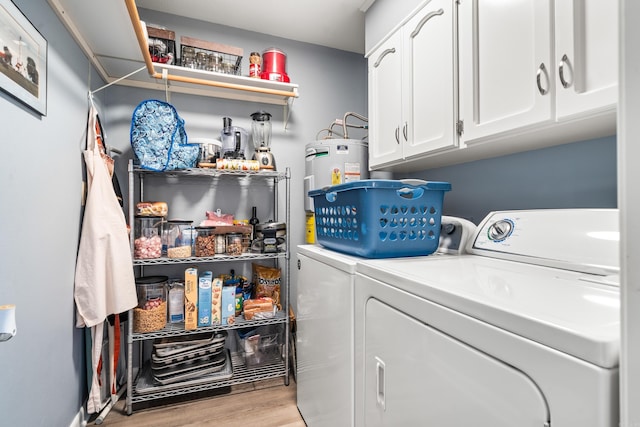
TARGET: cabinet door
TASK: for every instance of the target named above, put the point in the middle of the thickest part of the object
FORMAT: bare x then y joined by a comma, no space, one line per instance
505,65
385,65
586,55
431,379
429,98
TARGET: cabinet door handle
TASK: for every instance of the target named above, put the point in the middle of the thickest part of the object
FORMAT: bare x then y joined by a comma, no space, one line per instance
565,61
424,20
398,134
380,384
542,70
382,55
404,131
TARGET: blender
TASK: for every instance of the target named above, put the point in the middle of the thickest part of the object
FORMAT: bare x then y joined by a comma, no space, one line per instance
261,130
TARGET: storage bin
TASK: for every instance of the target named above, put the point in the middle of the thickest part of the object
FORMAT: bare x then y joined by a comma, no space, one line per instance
151,313
260,348
380,218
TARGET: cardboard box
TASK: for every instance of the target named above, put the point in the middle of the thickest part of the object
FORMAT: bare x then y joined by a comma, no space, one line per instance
228,305
216,301
191,298
204,299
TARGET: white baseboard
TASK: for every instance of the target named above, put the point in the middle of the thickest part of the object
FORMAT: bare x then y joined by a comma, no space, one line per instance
79,420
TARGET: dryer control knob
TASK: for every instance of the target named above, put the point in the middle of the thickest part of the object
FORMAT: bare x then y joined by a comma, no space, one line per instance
500,230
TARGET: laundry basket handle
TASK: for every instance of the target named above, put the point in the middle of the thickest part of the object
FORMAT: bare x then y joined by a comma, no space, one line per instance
331,196
410,193
414,182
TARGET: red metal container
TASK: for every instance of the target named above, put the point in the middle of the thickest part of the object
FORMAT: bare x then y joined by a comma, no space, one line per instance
274,65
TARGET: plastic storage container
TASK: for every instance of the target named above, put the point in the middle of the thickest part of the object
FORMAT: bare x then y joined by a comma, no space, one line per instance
205,244
180,238
379,218
147,243
151,313
234,243
260,347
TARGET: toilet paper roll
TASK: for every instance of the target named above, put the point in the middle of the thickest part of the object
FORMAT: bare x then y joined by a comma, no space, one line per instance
7,321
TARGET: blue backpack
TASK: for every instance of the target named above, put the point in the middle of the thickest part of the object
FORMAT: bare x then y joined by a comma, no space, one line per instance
158,138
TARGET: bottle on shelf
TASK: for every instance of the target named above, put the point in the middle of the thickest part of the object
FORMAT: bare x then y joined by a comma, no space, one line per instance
253,221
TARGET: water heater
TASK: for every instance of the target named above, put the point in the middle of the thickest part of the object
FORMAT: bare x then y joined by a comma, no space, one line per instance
333,161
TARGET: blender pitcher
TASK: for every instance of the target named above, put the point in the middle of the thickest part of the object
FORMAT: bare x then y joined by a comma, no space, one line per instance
261,131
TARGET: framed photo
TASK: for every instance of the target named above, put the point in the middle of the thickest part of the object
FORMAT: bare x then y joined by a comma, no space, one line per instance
23,58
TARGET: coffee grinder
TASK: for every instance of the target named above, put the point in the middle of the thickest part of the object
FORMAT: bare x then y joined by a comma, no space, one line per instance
261,130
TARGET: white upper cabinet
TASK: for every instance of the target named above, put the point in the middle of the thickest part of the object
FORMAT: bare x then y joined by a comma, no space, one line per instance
533,65
385,99
429,80
412,98
505,65
586,48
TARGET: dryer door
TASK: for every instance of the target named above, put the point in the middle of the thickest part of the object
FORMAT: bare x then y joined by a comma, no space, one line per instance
432,379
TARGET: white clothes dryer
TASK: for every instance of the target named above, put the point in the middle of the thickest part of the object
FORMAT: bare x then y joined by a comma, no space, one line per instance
325,327
524,331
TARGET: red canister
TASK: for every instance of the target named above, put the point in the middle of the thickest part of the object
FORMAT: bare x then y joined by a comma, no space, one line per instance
274,65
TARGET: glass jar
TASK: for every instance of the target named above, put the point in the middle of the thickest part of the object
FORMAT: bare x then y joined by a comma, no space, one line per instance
179,239
234,243
188,57
205,241
221,243
147,242
255,67
214,61
151,312
201,60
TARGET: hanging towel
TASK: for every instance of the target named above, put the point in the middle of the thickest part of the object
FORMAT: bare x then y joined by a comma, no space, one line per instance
104,280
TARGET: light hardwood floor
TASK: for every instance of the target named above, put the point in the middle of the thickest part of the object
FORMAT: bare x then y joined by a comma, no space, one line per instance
266,403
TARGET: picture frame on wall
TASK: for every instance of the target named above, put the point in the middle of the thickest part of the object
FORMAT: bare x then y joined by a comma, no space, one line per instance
23,59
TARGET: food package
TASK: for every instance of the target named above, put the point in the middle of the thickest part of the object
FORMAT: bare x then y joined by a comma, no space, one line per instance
228,305
238,164
216,301
259,308
152,209
217,218
266,282
191,298
204,299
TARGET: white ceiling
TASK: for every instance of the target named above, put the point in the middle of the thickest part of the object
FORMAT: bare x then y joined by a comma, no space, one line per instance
333,23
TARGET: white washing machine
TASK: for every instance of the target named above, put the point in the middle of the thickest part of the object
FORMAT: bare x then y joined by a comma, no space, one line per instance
325,327
524,331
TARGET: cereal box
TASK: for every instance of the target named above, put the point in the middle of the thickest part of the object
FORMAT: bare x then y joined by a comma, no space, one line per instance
204,299
228,305
191,298
216,301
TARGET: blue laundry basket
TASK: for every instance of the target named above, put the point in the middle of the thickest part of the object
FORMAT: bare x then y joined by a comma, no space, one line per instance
380,218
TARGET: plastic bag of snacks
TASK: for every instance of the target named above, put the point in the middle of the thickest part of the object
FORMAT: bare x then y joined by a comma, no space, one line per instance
266,282
158,138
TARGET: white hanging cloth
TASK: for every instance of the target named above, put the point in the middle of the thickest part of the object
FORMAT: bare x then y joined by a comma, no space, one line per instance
104,279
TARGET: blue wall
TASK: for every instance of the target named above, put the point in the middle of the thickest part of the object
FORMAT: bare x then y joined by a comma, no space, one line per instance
576,175
42,370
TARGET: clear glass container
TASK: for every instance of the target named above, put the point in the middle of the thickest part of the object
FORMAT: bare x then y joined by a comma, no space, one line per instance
188,57
180,238
147,242
205,244
151,313
201,60
234,243
221,243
